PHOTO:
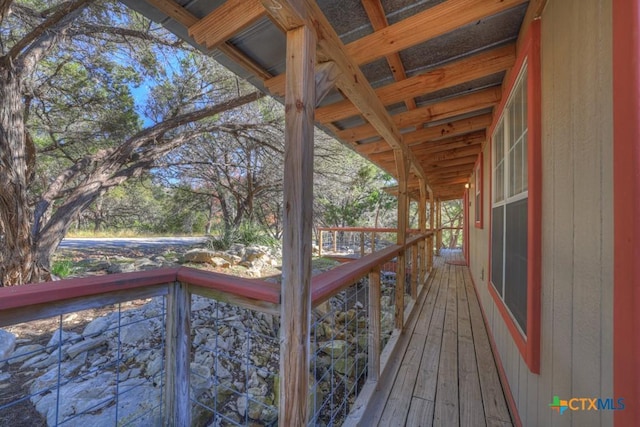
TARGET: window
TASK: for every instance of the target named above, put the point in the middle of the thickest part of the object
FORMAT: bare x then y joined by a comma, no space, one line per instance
515,202
478,192
509,208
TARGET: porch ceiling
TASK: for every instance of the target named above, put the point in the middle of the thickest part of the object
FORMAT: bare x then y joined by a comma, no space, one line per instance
433,69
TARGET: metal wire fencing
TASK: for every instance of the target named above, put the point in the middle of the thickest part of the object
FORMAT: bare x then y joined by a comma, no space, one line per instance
94,367
339,339
234,371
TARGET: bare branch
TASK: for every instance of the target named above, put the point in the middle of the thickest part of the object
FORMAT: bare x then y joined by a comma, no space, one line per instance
44,35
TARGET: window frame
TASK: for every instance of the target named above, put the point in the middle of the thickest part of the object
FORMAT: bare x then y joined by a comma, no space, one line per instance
529,57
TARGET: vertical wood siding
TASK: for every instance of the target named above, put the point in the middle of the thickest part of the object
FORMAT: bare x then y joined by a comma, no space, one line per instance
576,357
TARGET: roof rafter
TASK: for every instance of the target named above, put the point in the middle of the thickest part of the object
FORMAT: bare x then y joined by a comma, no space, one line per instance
455,73
433,133
225,21
431,23
433,112
351,81
186,18
378,19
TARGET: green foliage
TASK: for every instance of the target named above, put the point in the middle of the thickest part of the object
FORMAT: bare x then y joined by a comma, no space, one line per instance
247,234
63,268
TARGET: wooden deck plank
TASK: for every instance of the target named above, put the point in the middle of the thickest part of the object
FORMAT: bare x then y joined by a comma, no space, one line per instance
424,320
428,372
397,407
448,375
495,405
471,409
447,399
420,413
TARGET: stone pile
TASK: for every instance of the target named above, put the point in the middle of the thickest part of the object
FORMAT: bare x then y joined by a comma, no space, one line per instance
253,258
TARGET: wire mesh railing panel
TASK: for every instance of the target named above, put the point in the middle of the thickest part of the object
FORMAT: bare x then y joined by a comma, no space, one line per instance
388,280
355,243
94,367
234,371
339,340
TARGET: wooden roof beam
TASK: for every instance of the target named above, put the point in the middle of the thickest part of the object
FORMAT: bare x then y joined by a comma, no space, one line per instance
462,141
186,18
431,23
453,74
434,133
291,14
378,19
446,130
459,161
454,153
225,21
433,112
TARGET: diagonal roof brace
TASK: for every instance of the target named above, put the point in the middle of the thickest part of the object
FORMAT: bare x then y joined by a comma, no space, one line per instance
290,14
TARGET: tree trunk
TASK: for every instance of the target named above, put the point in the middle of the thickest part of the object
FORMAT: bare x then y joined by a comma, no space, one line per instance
18,261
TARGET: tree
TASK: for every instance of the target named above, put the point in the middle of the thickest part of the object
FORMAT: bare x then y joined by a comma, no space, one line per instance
69,129
351,195
236,167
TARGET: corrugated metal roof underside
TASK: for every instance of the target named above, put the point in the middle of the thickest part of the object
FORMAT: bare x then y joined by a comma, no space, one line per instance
265,44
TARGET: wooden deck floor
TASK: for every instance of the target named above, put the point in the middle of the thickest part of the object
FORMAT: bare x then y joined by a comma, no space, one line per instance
447,375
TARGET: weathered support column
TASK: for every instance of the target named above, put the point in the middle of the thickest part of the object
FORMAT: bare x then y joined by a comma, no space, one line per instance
178,357
431,227
422,223
295,312
402,165
438,226
374,325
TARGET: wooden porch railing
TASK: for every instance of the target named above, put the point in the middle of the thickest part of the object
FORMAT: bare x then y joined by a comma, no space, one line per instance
39,301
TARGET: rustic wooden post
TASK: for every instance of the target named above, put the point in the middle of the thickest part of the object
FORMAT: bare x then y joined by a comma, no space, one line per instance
361,244
319,243
415,271
439,226
295,311
402,165
373,241
335,241
422,222
431,223
374,324
178,357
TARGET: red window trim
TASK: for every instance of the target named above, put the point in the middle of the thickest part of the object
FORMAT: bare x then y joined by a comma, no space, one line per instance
478,186
626,209
528,346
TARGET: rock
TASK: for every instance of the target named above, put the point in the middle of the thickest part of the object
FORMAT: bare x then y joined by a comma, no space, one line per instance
40,360
146,264
335,347
201,256
344,366
4,376
136,332
67,337
98,325
85,345
201,379
7,344
25,352
121,268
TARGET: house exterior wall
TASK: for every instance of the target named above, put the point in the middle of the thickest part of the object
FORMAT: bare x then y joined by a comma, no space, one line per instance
576,342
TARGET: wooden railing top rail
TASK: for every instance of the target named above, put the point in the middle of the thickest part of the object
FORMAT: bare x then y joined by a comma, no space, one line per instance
50,298
329,283
249,288
367,230
49,292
